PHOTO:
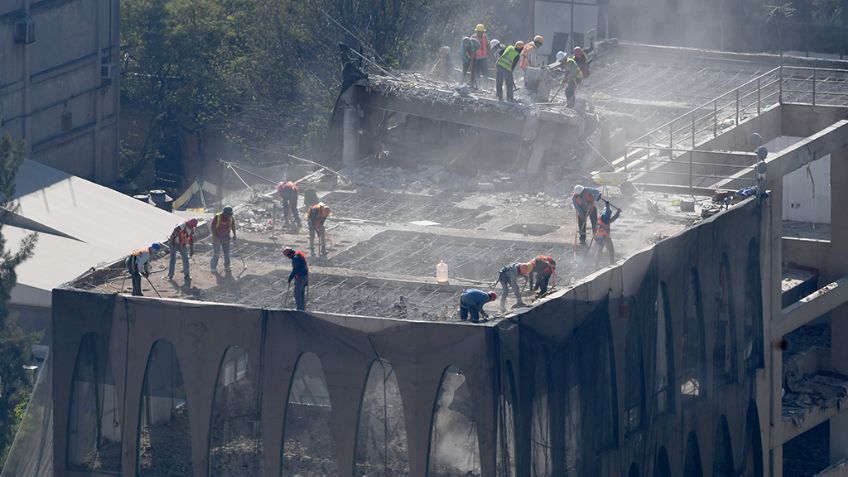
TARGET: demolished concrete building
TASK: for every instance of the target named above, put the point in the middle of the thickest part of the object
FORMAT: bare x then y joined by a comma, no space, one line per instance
669,362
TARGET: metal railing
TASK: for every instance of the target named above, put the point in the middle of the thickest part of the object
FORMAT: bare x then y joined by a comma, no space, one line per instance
683,134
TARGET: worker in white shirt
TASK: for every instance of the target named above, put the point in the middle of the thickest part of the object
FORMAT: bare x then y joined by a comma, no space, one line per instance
138,264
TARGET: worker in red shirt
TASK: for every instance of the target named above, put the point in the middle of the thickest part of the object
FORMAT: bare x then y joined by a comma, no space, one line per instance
288,194
316,217
482,53
544,266
300,275
222,225
182,241
602,236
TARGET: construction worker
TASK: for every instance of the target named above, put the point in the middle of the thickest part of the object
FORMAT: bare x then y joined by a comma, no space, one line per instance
222,224
529,56
138,264
316,217
508,278
505,67
468,50
471,302
582,61
573,77
602,236
543,267
481,64
583,200
443,68
300,275
182,241
288,193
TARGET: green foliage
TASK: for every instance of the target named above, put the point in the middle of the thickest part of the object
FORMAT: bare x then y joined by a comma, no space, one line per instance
267,71
14,344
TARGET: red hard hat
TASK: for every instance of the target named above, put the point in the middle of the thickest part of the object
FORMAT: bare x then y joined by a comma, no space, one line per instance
493,296
288,251
192,222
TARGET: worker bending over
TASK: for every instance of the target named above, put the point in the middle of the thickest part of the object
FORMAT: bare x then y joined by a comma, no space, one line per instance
138,264
316,217
543,267
602,236
471,302
583,200
468,50
182,241
288,194
222,225
508,278
505,68
300,275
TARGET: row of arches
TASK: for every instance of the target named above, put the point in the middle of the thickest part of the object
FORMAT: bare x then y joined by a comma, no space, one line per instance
235,444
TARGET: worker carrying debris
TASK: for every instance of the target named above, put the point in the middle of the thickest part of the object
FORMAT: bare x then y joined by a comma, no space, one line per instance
481,62
138,264
508,278
468,50
288,194
300,275
316,217
505,67
222,224
543,267
471,303
182,241
602,236
583,200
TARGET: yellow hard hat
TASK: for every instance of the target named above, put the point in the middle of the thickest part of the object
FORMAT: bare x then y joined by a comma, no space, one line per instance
538,39
480,28
519,45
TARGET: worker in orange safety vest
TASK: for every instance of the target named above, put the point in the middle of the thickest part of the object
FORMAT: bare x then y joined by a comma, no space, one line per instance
222,225
316,217
182,241
602,235
288,194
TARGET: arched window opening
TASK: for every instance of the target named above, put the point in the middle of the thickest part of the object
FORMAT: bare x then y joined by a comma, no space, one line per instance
381,447
454,448
663,354
235,442
724,352
506,423
723,451
634,395
692,463
164,440
541,450
754,449
308,445
753,310
94,421
694,355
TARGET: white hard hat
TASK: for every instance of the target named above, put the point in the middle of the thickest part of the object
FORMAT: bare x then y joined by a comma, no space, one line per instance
578,189
560,56
493,44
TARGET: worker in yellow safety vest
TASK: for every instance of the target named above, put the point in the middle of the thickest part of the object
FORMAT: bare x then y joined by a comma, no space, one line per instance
506,65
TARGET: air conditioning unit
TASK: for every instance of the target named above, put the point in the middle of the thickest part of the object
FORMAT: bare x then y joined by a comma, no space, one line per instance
25,31
108,72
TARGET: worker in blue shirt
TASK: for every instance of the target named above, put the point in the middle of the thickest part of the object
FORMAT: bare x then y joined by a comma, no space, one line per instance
300,275
584,199
471,302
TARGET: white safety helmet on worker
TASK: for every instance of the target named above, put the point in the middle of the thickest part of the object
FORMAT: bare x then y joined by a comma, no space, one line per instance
578,189
560,56
494,43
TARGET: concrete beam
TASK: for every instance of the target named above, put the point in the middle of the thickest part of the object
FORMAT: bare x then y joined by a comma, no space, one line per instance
794,157
815,416
807,309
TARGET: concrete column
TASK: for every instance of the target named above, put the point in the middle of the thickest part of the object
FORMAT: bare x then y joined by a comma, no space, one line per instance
838,266
350,129
771,263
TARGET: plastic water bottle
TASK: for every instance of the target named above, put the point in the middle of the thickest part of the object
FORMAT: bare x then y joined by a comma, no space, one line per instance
442,272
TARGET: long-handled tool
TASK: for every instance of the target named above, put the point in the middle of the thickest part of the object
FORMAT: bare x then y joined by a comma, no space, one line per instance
286,300
151,286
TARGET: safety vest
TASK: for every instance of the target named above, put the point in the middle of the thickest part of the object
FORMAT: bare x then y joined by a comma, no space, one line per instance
186,236
524,269
544,262
507,59
483,51
137,252
315,215
574,69
222,225
603,227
